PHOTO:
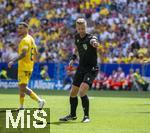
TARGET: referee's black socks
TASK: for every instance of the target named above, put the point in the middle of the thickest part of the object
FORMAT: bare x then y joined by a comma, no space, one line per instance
85,105
73,105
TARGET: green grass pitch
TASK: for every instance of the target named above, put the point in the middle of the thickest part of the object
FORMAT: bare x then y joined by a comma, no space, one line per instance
110,111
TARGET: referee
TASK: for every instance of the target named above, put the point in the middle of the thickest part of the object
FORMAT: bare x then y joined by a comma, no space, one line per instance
87,70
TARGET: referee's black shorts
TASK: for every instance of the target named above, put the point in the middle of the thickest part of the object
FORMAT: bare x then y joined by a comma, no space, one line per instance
83,75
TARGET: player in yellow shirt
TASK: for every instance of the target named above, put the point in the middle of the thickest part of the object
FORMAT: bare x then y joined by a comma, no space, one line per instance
27,51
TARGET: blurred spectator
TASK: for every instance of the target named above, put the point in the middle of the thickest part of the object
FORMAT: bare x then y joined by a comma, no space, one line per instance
128,82
44,73
99,80
121,25
3,74
118,81
139,82
110,79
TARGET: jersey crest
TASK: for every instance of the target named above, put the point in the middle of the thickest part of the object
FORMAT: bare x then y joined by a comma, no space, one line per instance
85,46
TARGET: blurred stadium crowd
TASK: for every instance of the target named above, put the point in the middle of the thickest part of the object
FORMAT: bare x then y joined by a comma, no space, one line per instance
119,81
122,27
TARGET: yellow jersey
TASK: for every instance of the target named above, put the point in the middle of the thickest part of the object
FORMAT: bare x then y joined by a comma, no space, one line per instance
27,63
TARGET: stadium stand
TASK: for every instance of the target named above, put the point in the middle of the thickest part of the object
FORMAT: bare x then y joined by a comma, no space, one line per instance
122,27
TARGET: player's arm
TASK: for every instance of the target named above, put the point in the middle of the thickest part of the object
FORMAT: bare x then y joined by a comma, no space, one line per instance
94,41
22,55
73,57
36,54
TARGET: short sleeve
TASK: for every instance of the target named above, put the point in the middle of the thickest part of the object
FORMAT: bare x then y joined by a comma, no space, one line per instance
94,37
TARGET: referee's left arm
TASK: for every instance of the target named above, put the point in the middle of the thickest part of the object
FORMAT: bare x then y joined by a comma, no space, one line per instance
73,57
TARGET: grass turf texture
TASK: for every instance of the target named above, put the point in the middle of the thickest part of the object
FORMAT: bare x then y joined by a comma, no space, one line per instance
110,111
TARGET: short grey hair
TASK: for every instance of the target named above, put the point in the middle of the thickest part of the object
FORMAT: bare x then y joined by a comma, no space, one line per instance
81,21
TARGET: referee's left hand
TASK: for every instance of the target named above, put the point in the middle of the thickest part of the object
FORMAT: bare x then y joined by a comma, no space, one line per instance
10,64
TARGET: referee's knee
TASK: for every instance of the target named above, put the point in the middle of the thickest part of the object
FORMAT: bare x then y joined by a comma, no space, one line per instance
83,89
74,91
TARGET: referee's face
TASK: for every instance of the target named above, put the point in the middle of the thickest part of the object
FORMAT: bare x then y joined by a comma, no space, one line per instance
81,29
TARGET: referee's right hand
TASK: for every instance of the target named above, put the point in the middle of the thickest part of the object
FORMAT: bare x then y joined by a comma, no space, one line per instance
71,62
